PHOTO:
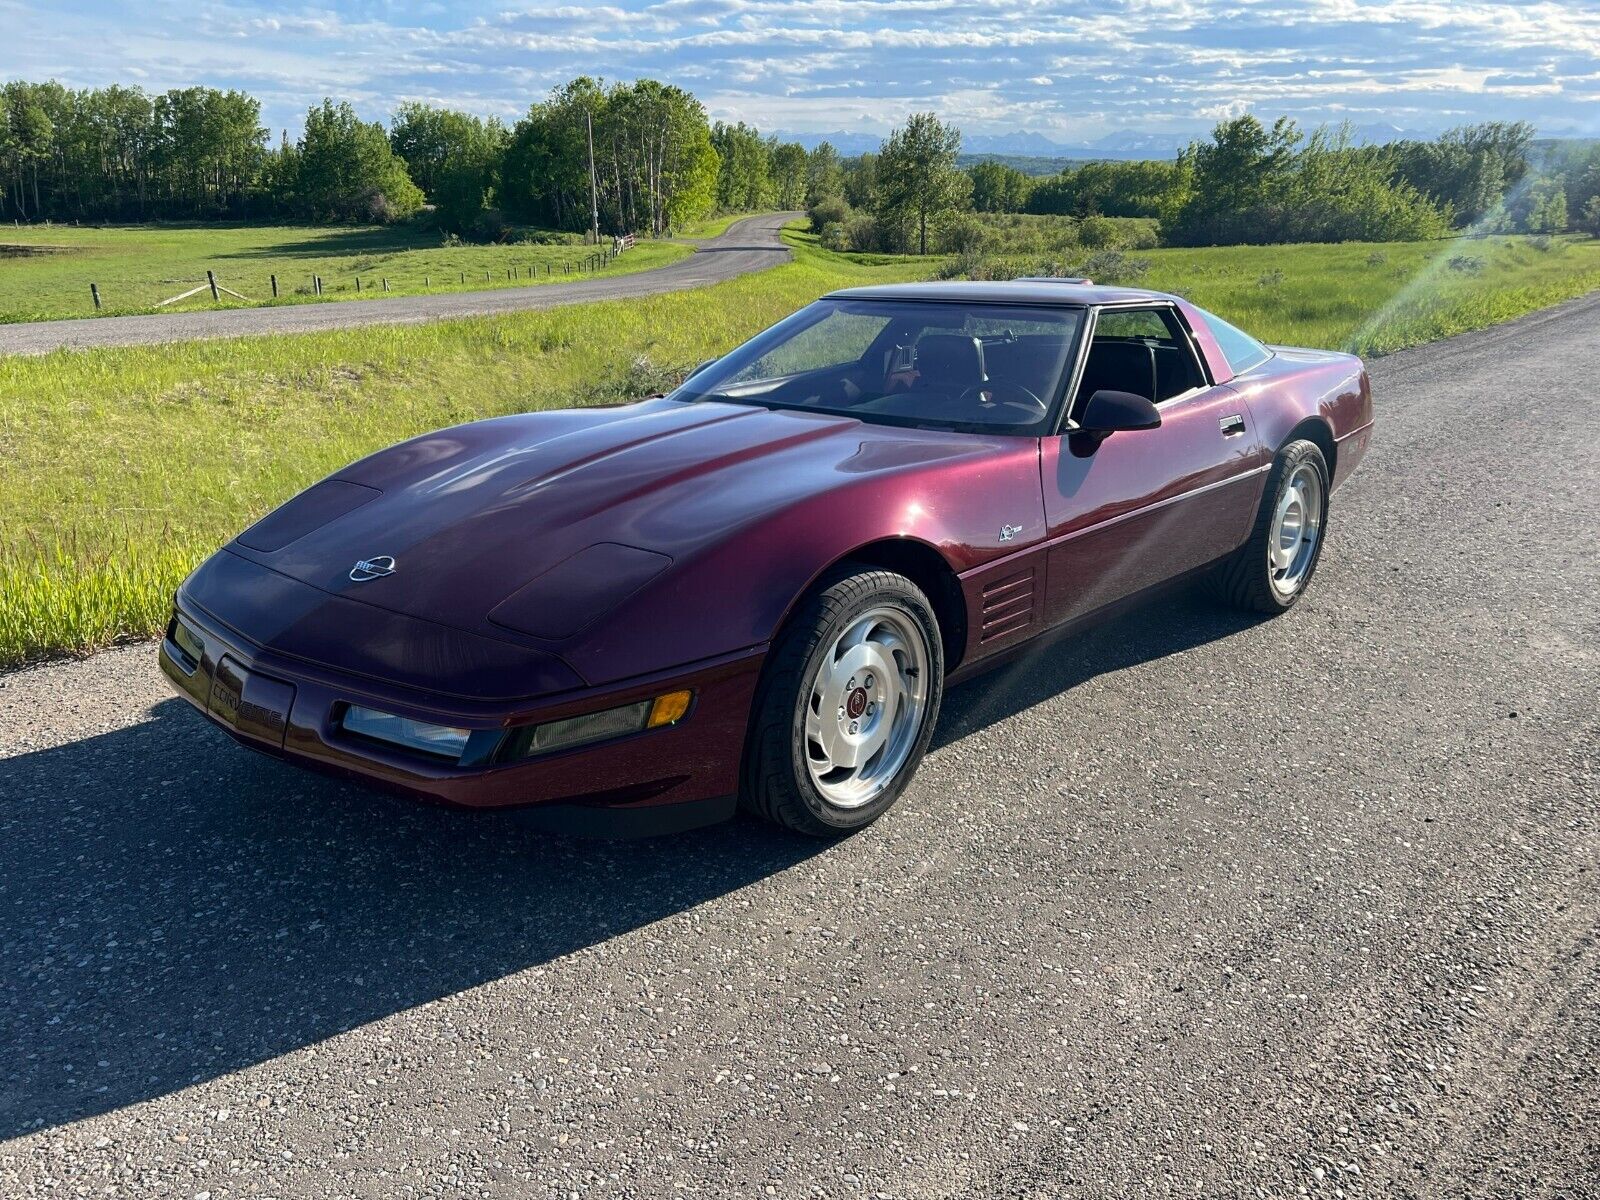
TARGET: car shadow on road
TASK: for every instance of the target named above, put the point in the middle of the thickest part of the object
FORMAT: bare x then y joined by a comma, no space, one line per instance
173,908
1181,619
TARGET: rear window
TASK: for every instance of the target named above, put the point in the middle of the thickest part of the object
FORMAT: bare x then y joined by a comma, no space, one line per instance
1240,349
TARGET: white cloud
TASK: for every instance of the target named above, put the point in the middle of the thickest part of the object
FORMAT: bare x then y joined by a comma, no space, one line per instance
823,64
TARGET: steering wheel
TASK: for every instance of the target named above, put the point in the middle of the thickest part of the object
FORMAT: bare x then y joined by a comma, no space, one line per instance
1003,393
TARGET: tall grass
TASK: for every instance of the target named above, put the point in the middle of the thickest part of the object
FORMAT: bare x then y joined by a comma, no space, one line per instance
121,468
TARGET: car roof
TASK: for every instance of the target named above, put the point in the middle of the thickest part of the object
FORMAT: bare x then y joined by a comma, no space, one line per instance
1014,291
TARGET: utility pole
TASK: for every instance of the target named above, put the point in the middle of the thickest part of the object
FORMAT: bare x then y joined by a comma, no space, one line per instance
594,186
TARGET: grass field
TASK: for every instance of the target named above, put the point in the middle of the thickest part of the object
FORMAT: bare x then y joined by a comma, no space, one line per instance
46,270
124,467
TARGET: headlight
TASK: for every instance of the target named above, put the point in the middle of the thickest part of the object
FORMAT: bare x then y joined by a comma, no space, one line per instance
442,740
599,726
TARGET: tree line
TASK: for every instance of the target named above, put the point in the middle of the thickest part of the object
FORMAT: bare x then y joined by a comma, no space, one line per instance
1247,183
643,157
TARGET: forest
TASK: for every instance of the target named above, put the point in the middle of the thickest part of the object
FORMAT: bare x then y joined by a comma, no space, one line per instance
644,157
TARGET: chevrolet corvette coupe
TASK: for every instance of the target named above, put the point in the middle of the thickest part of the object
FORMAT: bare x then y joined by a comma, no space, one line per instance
755,590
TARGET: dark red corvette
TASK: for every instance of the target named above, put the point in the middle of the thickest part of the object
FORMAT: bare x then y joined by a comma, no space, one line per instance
757,587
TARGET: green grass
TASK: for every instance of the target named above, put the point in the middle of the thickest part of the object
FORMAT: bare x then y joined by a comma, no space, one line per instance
1376,299
123,467
1366,297
46,270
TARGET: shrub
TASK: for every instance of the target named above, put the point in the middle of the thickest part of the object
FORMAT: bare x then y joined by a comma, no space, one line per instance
829,210
834,236
1111,266
1099,233
962,234
865,232
1589,220
490,225
1469,264
1270,279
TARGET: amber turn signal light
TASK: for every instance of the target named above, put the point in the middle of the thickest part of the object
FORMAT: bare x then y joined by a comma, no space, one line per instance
668,709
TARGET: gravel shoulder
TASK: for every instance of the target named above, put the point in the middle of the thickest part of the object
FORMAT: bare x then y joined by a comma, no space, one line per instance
752,244
1189,905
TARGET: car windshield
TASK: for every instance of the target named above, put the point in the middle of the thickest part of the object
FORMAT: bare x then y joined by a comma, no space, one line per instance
926,363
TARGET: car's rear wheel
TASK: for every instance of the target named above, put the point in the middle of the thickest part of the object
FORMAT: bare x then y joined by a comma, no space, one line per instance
1274,567
846,705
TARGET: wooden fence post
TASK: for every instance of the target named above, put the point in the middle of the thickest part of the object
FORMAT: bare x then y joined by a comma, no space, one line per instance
274,287
358,285
212,280
463,277
94,290
386,285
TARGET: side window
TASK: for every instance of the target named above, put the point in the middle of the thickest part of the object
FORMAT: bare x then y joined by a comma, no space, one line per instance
839,338
1138,323
1240,349
1139,350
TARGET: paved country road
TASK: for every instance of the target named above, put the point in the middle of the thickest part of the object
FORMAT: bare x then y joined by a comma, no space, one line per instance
749,245
1191,905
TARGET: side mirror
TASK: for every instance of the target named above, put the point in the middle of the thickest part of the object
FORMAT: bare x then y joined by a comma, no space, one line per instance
1111,412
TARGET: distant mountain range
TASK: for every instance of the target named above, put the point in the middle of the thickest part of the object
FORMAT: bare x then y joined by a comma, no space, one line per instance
1124,144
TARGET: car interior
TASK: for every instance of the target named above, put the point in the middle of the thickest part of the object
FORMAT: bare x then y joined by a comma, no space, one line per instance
946,365
1142,351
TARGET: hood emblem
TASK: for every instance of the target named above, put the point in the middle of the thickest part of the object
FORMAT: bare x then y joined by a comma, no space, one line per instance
372,568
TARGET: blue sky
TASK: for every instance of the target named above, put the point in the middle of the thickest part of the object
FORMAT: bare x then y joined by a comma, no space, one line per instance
1073,72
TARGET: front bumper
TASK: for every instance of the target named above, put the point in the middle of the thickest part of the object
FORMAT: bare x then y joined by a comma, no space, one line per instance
659,780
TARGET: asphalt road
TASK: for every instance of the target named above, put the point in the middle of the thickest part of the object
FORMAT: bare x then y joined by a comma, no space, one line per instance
749,245
1191,905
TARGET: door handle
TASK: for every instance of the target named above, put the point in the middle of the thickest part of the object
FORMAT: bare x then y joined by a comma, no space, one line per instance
1232,425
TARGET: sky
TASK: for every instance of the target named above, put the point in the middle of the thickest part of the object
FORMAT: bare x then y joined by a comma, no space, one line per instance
1072,72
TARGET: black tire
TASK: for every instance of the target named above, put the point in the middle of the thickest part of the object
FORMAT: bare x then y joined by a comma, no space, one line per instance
776,782
1244,578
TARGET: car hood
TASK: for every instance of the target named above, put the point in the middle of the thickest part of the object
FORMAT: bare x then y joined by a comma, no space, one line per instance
455,522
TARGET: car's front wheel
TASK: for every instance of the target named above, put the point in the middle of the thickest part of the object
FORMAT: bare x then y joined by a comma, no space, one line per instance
1273,569
847,704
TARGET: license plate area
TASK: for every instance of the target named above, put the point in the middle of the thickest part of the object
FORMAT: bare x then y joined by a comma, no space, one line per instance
250,703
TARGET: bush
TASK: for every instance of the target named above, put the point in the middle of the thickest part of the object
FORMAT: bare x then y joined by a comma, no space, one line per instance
1589,220
1271,279
1099,233
1104,266
490,225
829,210
1469,264
834,236
864,231
968,264
1111,266
962,234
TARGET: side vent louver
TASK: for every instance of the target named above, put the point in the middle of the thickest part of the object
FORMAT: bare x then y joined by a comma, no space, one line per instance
1007,605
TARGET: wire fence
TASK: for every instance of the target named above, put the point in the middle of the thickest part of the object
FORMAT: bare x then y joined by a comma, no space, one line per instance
316,285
